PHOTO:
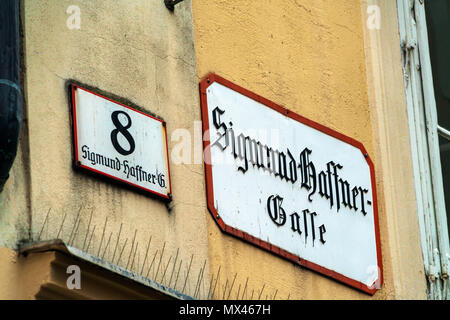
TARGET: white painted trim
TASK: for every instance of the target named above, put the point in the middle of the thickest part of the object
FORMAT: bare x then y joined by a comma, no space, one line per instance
422,117
400,234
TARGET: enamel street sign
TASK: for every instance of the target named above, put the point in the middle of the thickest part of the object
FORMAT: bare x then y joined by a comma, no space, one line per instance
289,185
120,142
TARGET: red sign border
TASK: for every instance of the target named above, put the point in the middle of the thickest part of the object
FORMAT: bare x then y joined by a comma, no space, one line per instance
204,84
73,88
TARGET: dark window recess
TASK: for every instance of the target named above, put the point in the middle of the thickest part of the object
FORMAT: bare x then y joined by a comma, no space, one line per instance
438,24
444,145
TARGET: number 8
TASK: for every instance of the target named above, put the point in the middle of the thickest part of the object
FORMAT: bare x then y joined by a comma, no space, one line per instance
124,131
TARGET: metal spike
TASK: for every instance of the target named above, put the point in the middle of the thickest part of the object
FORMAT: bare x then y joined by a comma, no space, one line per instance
89,228
196,284
245,289
225,290
134,256
217,279
160,259
199,279
174,264
151,264
231,288
117,242
187,276
120,256
165,269
146,254
178,273
259,297
138,258
75,224
276,291
89,243
72,241
107,244
239,290
210,286
103,235
62,224
132,247
251,297
205,286
43,225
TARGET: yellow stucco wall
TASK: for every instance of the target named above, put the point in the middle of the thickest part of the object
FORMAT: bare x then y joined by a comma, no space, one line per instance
21,278
309,57
139,51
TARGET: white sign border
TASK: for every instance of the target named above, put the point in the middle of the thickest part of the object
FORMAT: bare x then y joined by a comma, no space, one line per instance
204,84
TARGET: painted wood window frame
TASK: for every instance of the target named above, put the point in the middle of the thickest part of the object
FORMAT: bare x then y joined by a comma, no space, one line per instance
424,131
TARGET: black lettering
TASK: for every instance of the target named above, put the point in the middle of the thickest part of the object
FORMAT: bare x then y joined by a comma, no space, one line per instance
292,168
242,149
282,165
269,166
313,230
323,185
295,223
355,193
322,230
362,191
126,168
305,223
233,142
330,187
99,159
85,150
122,129
338,202
218,124
345,188
92,158
260,155
117,164
307,173
161,181
143,175
276,212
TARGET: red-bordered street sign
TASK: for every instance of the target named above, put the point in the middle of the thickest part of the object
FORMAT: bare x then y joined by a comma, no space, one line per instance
120,142
290,185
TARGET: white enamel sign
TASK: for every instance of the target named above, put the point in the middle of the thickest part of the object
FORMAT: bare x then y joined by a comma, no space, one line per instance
120,142
290,185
